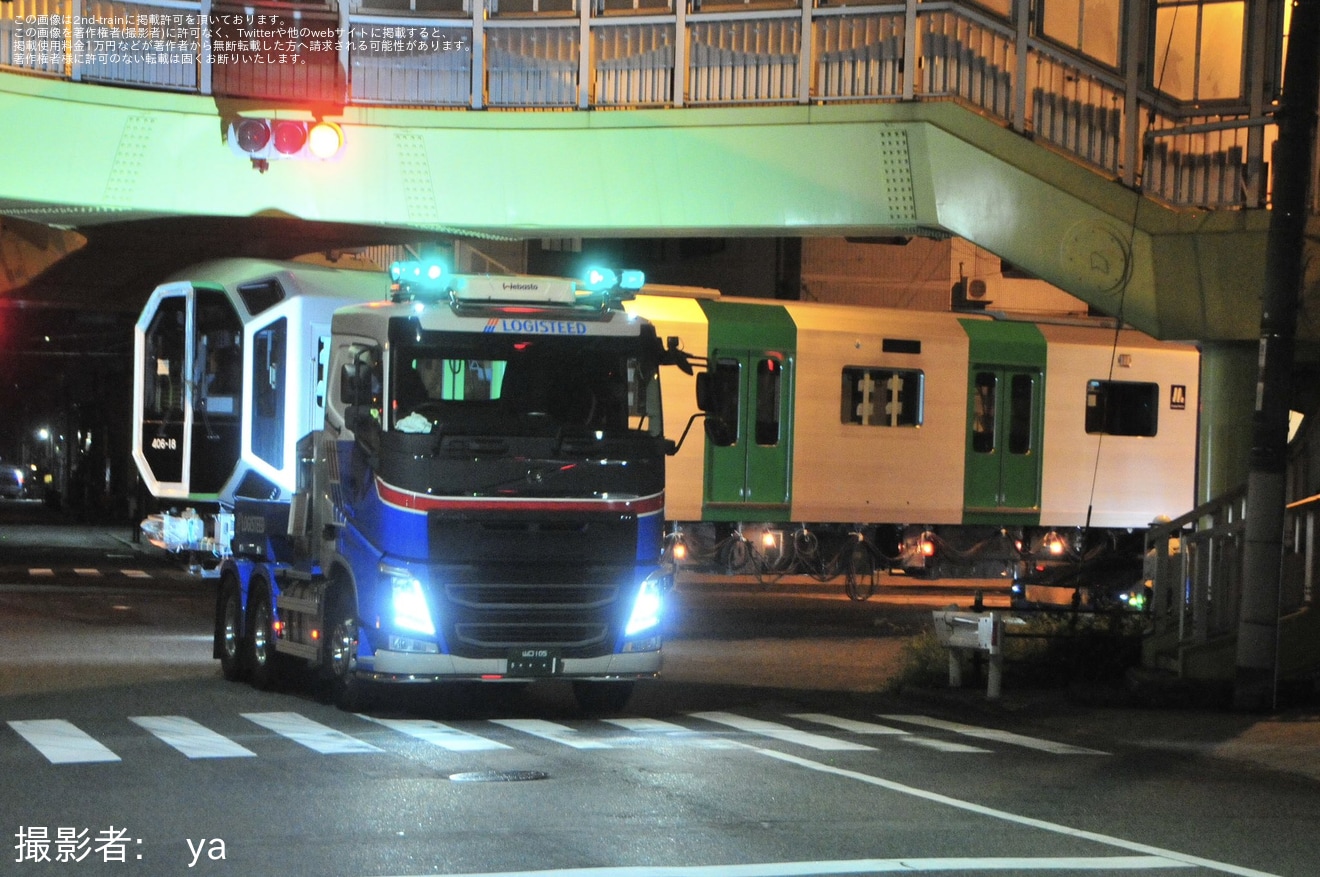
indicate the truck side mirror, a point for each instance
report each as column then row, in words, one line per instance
column 674, row 355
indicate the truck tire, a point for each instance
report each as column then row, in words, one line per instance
column 601, row 698
column 259, row 644
column 341, row 646
column 229, row 629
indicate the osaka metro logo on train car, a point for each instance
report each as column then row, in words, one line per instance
column 536, row 327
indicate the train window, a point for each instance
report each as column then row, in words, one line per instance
column 882, row 397
column 1022, row 391
column 983, row 412
column 268, row 392
column 218, row 361
column 723, row 418
column 166, row 339
column 1122, row 408
column 261, row 295
column 768, row 384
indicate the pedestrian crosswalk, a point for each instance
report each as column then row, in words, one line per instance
column 87, row 572
column 63, row 742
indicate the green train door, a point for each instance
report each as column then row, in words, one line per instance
column 750, row 427
column 1005, row 423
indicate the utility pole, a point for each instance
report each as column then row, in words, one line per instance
column 1255, row 684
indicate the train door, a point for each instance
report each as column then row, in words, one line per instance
column 1005, row 423
column 750, row 422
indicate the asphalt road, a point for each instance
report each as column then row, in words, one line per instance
column 769, row 747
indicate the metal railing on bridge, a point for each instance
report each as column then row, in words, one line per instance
column 1195, row 567
column 604, row 54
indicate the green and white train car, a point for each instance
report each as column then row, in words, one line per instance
column 961, row 443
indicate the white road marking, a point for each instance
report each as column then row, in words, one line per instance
column 1028, row 821
column 657, row 727
column 85, row 571
column 858, row 727
column 136, row 573
column 855, row 866
column 553, row 732
column 62, row 742
column 995, row 735
column 852, row 725
column 41, row 571
column 777, row 731
column 190, row 738
column 438, row 734
column 313, row 735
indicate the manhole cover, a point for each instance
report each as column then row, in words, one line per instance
column 498, row 776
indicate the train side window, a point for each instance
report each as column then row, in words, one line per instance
column 768, row 386
column 723, row 418
column 268, row 356
column 1122, row 408
column 1022, row 392
column 882, row 397
column 983, row 412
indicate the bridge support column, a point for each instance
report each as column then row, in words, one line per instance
column 1228, row 390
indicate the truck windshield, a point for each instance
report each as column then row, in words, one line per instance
column 496, row 384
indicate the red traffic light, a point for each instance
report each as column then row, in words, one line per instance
column 264, row 140
column 290, row 137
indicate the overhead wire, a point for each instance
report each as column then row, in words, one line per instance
column 1138, row 185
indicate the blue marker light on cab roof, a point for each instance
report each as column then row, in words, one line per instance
column 429, row 281
column 599, row 279
column 414, row 270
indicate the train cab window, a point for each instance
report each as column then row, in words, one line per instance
column 983, row 412
column 218, row 362
column 882, row 397
column 768, row 387
column 1122, row 408
column 166, row 340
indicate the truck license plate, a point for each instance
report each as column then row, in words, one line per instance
column 533, row 662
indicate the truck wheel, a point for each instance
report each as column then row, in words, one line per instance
column 596, row 698
column 259, row 644
column 341, row 648
column 229, row 630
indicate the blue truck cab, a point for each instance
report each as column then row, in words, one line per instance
column 458, row 477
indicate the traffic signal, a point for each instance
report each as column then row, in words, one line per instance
column 265, row 140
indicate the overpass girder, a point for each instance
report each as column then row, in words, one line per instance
column 95, row 154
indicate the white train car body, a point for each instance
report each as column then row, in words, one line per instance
column 953, row 430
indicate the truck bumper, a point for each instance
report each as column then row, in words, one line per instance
column 387, row 666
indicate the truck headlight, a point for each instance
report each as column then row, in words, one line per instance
column 409, row 602
column 646, row 608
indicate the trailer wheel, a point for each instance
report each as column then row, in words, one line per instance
column 596, row 698
column 259, row 644
column 341, row 648
column 229, row 630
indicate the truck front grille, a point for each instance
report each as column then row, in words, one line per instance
column 487, row 610
column 504, row 636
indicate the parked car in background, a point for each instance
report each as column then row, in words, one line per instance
column 12, row 481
